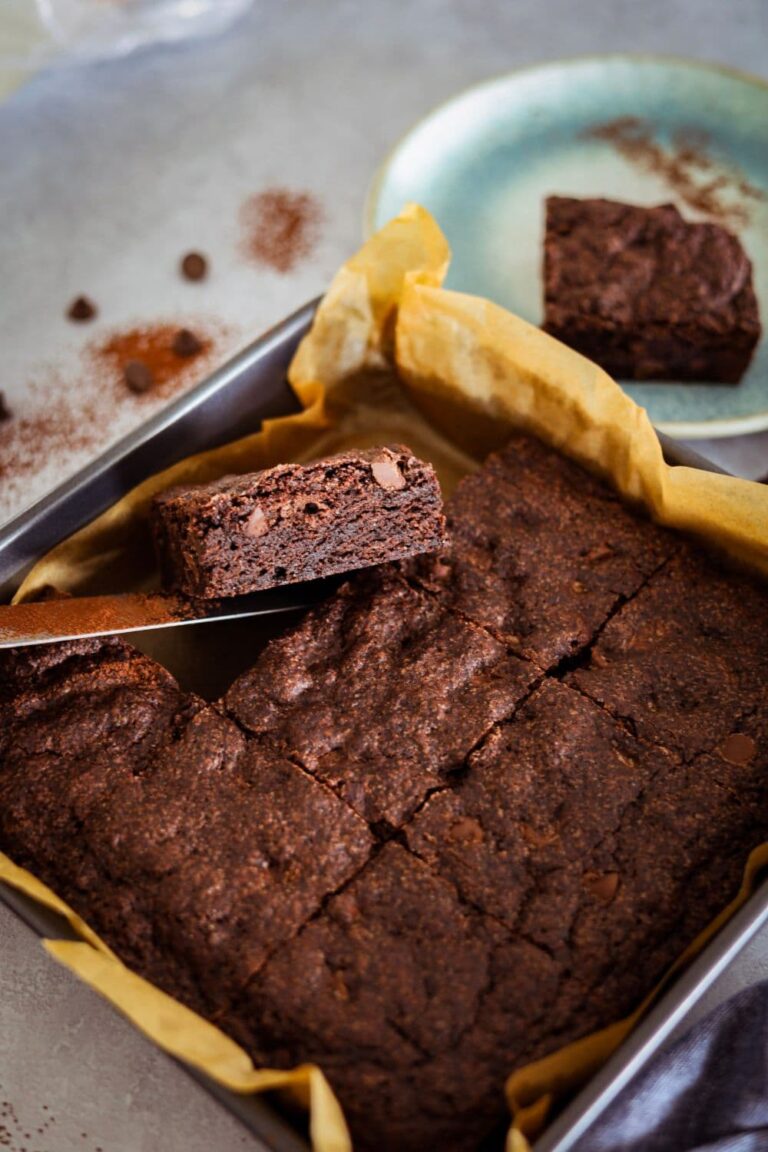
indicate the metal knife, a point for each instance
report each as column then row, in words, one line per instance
column 48, row 621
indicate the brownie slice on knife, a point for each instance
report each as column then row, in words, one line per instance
column 297, row 522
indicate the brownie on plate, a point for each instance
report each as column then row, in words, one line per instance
column 297, row 522
column 646, row 294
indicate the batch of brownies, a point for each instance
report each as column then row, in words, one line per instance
column 469, row 809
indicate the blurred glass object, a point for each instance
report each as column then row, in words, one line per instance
column 35, row 33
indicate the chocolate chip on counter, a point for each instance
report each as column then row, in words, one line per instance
column 185, row 343
column 387, row 474
column 5, row 412
column 603, row 885
column 194, row 266
column 738, row 748
column 138, row 377
column 81, row 309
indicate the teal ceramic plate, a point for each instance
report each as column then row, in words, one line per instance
column 483, row 164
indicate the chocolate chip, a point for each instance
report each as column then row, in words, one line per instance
column 81, row 309
column 738, row 748
column 256, row 524
column 387, row 474
column 138, row 377
column 194, row 266
column 536, row 837
column 465, row 830
column 185, row 343
column 603, row 885
column 5, row 412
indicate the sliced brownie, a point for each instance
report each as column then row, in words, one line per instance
column 192, row 851
column 381, row 693
column 412, row 1004
column 686, row 661
column 520, row 831
column 297, row 522
column 646, row 294
column 541, row 551
column 607, row 852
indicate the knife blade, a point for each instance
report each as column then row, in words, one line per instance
column 73, row 618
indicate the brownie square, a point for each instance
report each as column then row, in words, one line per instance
column 542, row 551
column 297, row 522
column 521, row 830
column 646, row 294
column 413, row 1005
column 381, row 693
column 192, row 851
column 610, row 854
column 72, row 713
column 678, row 856
column 687, row 660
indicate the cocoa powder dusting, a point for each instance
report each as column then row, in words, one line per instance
column 280, row 227
column 90, row 615
column 65, row 416
column 686, row 166
column 151, row 345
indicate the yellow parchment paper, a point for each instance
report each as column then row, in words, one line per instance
column 392, row 357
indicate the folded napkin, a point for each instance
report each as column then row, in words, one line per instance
column 708, row 1092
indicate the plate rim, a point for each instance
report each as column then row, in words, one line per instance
column 718, row 427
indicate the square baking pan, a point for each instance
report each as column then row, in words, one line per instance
column 231, row 403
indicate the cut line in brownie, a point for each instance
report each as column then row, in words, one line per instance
column 646, row 294
column 686, row 662
column 190, row 849
column 561, row 855
column 297, row 522
column 542, row 552
column 381, row 693
column 537, row 800
column 411, row 1003
column 610, row 854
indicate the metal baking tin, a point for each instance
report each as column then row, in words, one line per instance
column 229, row 404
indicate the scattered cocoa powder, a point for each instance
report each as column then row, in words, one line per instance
column 5, row 412
column 93, row 615
column 686, row 167
column 152, row 347
column 65, row 416
column 280, row 227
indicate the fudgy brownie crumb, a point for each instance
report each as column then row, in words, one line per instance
column 297, row 522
